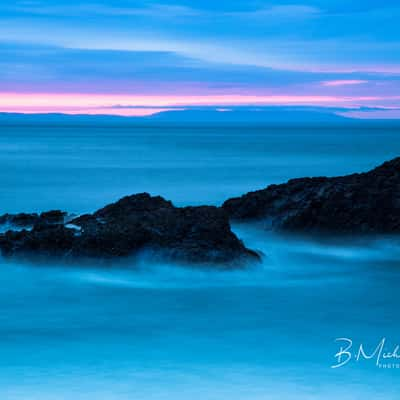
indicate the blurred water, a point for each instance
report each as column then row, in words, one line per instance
column 82, row 168
column 164, row 332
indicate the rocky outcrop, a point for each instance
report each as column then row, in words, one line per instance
column 359, row 203
column 133, row 224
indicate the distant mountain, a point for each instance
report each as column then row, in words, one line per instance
column 250, row 115
column 239, row 115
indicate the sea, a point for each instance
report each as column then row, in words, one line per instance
column 318, row 319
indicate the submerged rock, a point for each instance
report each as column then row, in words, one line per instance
column 134, row 223
column 359, row 203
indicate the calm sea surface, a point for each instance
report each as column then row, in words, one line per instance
column 164, row 332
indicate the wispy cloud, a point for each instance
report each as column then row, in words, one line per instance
column 215, row 35
column 290, row 54
column 343, row 82
column 154, row 10
column 288, row 11
column 164, row 10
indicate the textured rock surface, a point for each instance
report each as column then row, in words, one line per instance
column 358, row 203
column 134, row 223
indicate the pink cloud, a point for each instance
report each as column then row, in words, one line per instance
column 343, row 82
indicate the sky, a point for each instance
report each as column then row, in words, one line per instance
column 139, row 57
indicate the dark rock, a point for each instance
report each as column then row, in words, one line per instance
column 54, row 240
column 19, row 220
column 358, row 203
column 53, row 217
column 133, row 224
column 23, row 220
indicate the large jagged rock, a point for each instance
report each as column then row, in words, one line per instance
column 134, row 223
column 359, row 203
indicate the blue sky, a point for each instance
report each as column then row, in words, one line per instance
column 312, row 48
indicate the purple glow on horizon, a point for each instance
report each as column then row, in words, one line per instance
column 140, row 105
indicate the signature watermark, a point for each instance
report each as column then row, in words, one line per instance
column 383, row 354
